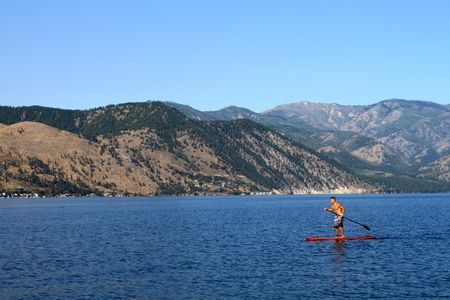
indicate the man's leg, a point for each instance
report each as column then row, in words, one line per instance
column 342, row 231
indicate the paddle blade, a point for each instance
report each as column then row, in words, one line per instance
column 366, row 227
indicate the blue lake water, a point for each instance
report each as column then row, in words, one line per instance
column 241, row 247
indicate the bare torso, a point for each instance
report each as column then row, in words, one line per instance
column 337, row 208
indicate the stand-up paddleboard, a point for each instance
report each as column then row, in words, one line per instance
column 347, row 238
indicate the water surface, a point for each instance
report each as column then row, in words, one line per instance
column 223, row 248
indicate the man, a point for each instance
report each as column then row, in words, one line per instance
column 339, row 210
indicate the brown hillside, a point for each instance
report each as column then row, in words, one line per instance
column 130, row 162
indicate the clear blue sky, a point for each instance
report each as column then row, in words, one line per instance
column 211, row 54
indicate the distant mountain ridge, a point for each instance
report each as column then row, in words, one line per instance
column 149, row 149
column 392, row 136
column 395, row 124
column 416, row 131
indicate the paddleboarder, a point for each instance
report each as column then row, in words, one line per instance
column 339, row 211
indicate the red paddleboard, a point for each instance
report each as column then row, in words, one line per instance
column 347, row 238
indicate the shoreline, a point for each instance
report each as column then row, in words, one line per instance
column 36, row 196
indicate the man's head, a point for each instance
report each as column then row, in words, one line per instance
column 332, row 199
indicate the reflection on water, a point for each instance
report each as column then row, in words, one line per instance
column 338, row 251
column 338, row 257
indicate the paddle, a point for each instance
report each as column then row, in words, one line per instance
column 365, row 226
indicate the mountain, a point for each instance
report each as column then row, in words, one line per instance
column 392, row 132
column 414, row 132
column 150, row 148
column 391, row 137
column 305, row 122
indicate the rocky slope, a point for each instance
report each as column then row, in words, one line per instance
column 149, row 148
